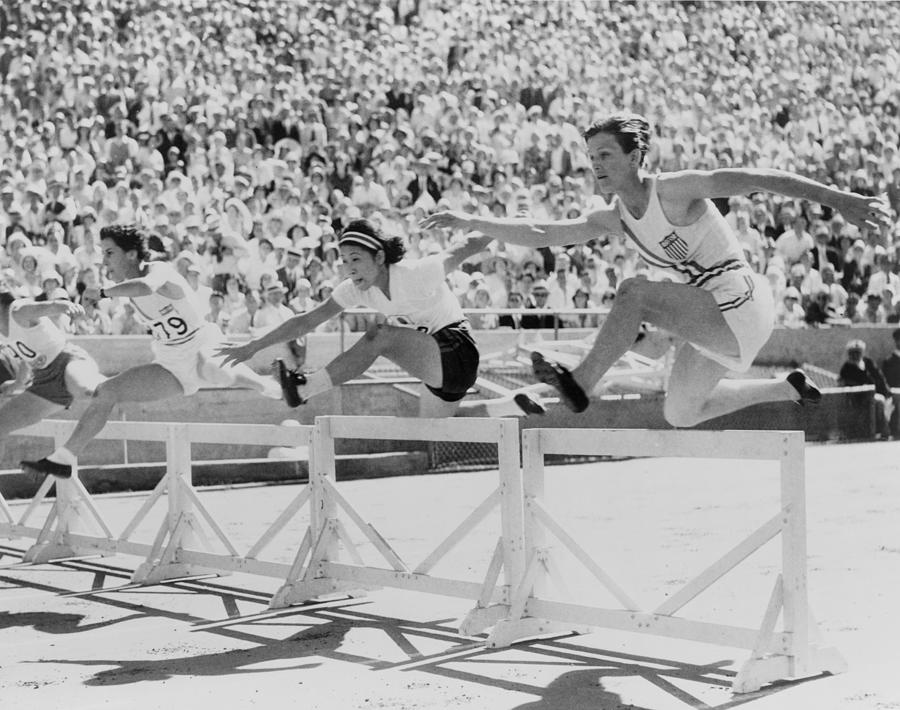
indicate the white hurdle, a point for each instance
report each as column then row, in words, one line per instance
column 324, row 573
column 791, row 653
column 74, row 529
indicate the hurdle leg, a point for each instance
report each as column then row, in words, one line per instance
column 181, row 528
column 320, row 543
column 72, row 510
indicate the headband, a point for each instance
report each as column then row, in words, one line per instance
column 365, row 240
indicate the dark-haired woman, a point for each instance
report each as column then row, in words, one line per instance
column 426, row 332
column 722, row 309
column 183, row 346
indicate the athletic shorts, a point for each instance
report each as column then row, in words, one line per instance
column 50, row 382
column 459, row 361
column 186, row 360
column 745, row 300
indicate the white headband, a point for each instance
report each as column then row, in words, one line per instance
column 366, row 240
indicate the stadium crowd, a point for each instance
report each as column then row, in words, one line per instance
column 243, row 135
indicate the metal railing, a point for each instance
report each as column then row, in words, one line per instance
column 555, row 312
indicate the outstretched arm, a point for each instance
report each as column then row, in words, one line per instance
column 458, row 253
column 528, row 232
column 687, row 185
column 27, row 313
column 292, row 328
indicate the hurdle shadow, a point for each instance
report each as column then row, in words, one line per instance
column 325, row 631
column 583, row 688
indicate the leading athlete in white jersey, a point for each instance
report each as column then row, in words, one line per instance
column 61, row 372
column 426, row 332
column 183, row 345
column 722, row 310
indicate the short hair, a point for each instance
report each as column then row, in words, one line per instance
column 366, row 235
column 631, row 131
column 128, row 237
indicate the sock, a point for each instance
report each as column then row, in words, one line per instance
column 502, row 407
column 64, row 456
column 316, row 383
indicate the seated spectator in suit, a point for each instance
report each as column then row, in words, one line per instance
column 538, row 301
column 891, row 369
column 820, row 312
column 823, row 253
column 860, row 370
column 512, row 320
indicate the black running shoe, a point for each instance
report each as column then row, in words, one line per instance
column 289, row 379
column 529, row 404
column 561, row 380
column 47, row 468
column 805, row 387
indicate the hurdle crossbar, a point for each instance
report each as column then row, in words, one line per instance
column 181, row 546
column 776, row 655
column 324, row 572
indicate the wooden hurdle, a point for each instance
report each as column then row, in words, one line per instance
column 319, row 570
column 791, row 653
column 181, row 548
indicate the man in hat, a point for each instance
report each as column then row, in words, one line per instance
column 859, row 370
column 289, row 271
column 424, row 182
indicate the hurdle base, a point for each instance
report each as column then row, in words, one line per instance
column 758, row 672
column 149, row 573
column 48, row 552
column 509, row 631
column 481, row 618
column 304, row 591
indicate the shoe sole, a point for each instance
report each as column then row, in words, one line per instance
column 288, row 388
column 529, row 405
column 561, row 380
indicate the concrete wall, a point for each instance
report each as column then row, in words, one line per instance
column 820, row 346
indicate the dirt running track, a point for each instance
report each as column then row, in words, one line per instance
column 651, row 523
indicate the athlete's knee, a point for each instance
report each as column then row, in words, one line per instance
column 630, row 292
column 682, row 412
column 381, row 337
column 106, row 391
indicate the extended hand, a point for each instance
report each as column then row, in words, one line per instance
column 446, row 220
column 234, row 354
column 73, row 310
column 864, row 210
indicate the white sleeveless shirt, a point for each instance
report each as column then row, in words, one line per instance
column 39, row 344
column 699, row 252
column 170, row 321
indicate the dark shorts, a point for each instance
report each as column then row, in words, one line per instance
column 50, row 382
column 459, row 361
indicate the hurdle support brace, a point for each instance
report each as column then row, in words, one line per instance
column 319, row 569
column 72, row 512
column 792, row 653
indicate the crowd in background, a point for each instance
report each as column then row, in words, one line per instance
column 243, row 135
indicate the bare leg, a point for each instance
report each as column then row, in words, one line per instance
column 685, row 311
column 430, row 405
column 146, row 383
column 417, row 353
column 697, row 391
column 23, row 410
column 240, row 375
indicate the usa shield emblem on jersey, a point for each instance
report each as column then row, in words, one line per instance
column 675, row 247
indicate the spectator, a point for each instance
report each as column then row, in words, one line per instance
column 538, row 301
column 789, row 312
column 859, row 370
column 891, row 369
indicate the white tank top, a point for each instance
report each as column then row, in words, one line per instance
column 171, row 321
column 699, row 252
column 38, row 345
